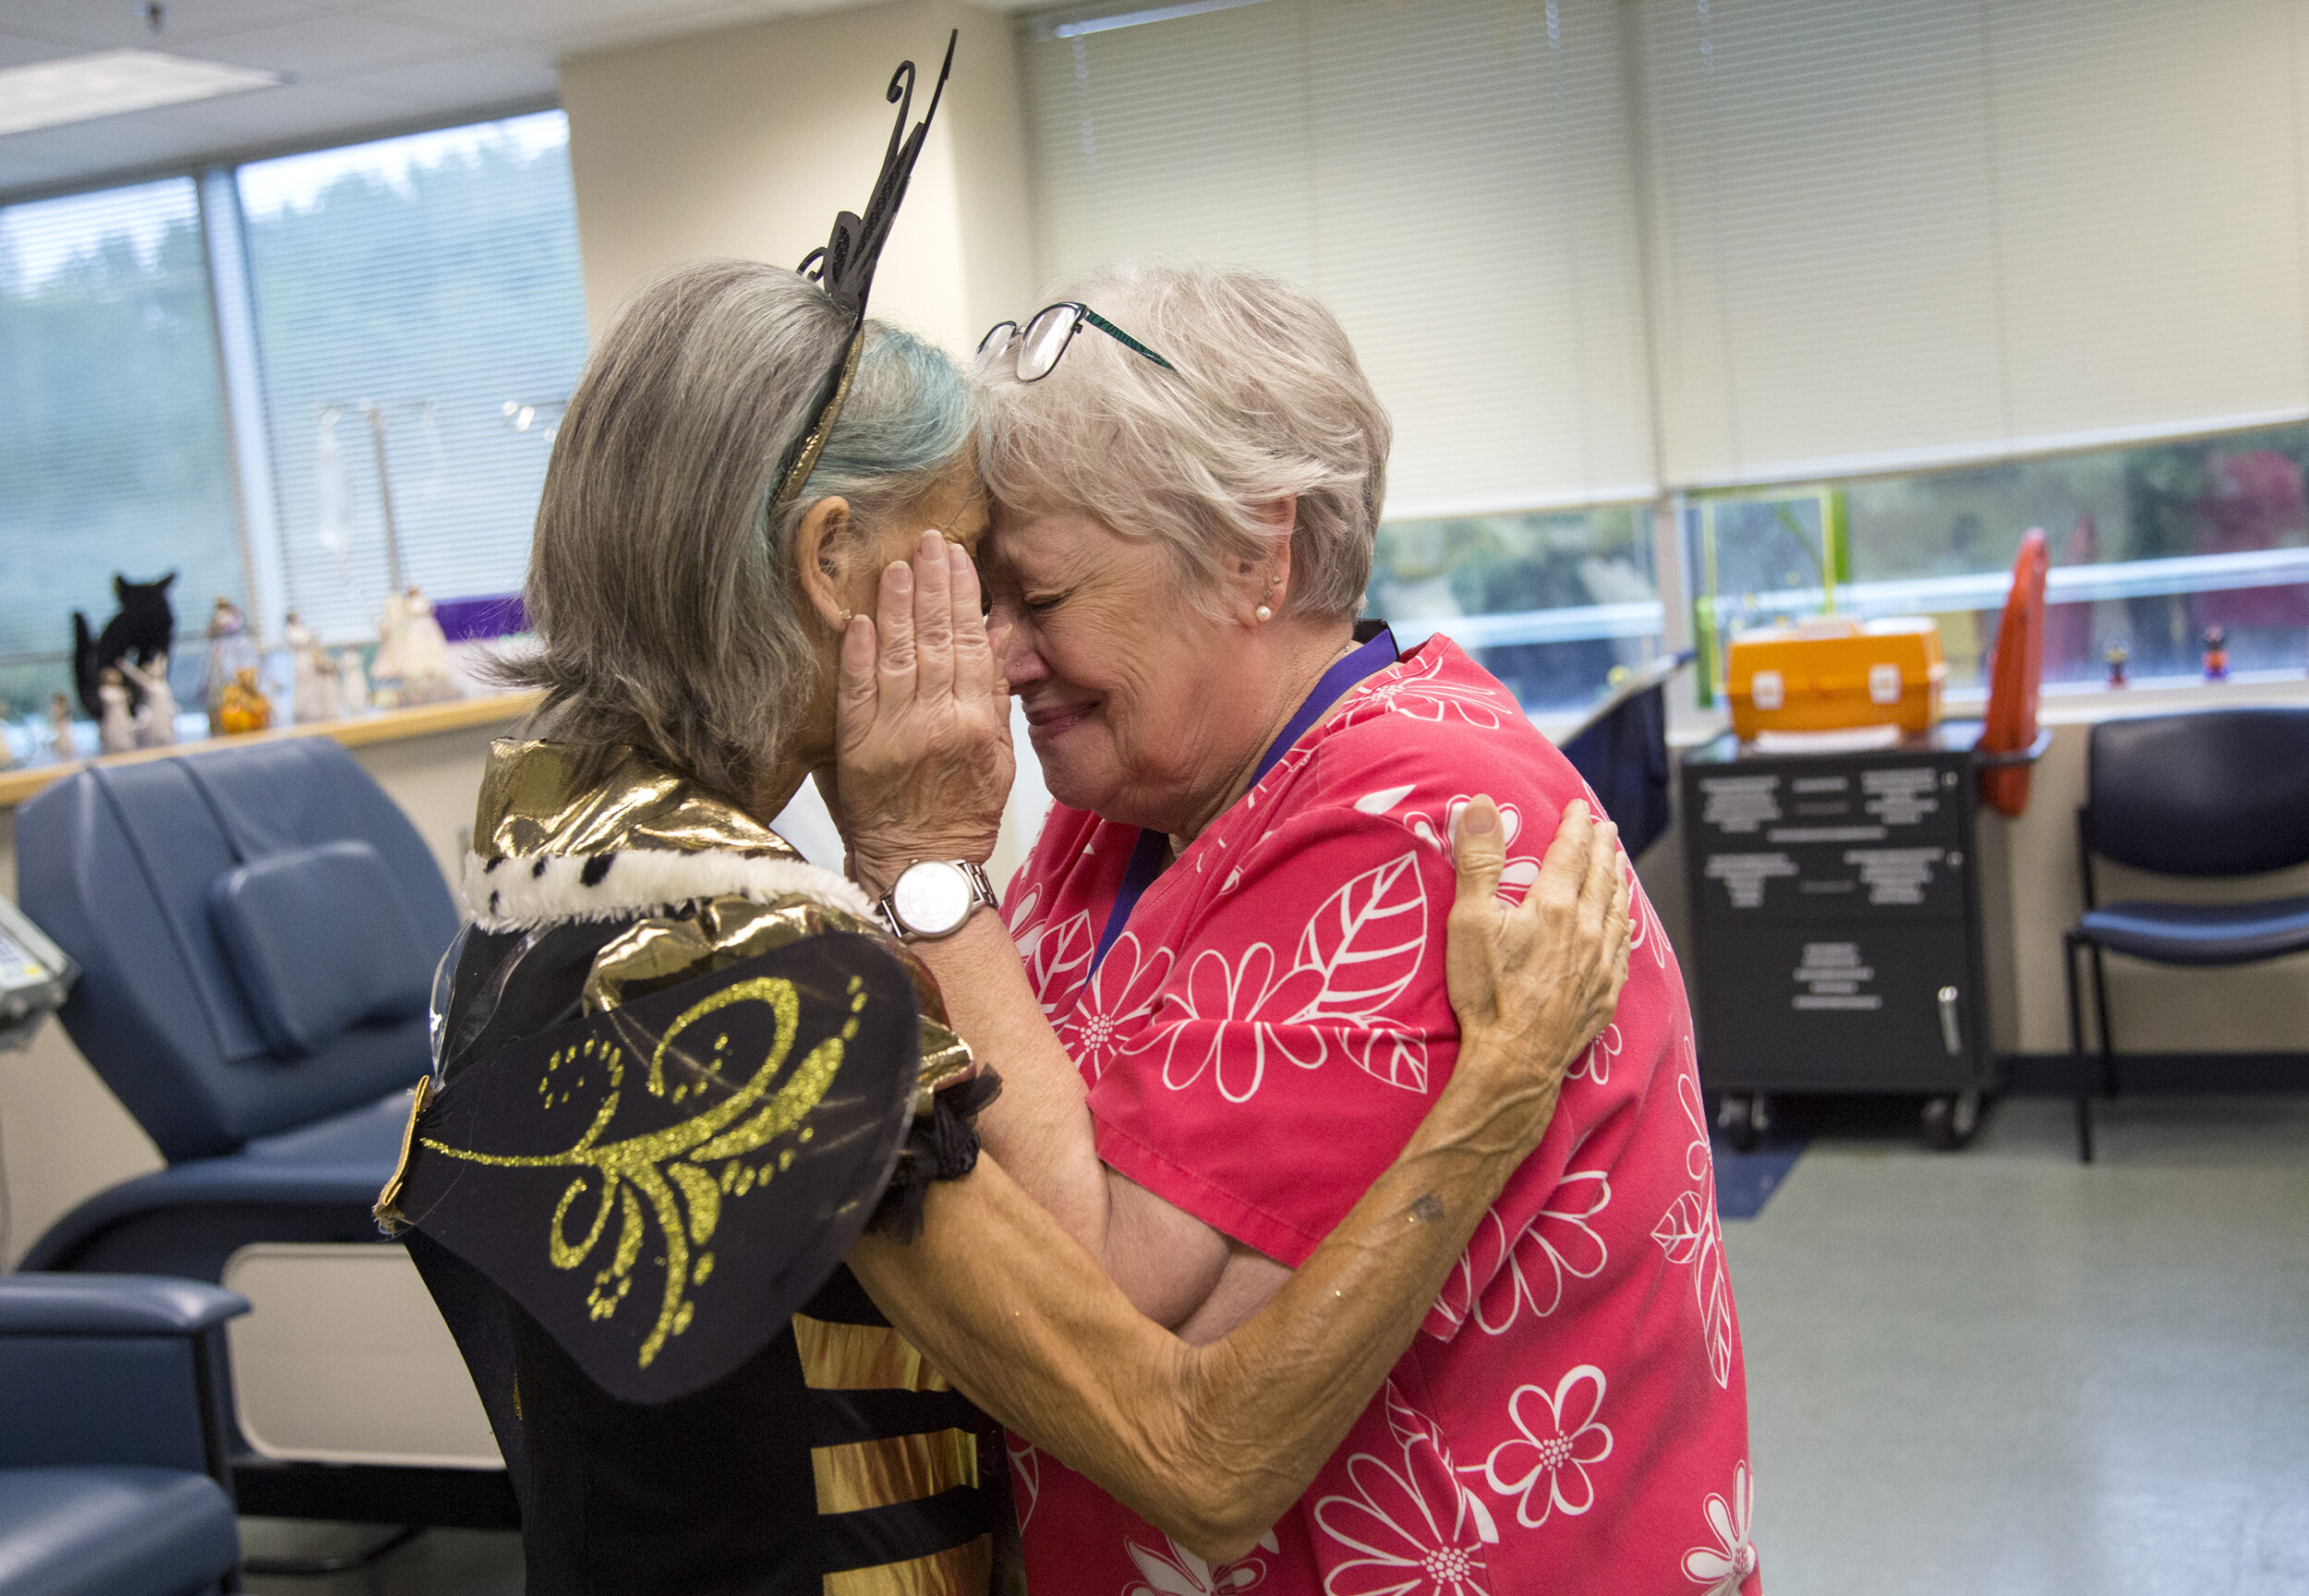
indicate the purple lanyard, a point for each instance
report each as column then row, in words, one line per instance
column 1372, row 656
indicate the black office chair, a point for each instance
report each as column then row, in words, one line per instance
column 2222, row 793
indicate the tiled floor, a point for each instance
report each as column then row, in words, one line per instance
column 1971, row 1374
column 2002, row 1371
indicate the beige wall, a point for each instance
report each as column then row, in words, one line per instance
column 63, row 1135
column 748, row 142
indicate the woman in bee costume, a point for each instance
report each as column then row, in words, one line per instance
column 694, row 1182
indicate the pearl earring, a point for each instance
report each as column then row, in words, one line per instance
column 1266, row 612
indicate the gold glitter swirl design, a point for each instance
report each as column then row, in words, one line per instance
column 661, row 1179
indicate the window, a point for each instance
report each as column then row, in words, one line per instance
column 1550, row 603
column 2151, row 547
column 113, row 453
column 408, row 293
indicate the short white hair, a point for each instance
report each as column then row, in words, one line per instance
column 1268, row 401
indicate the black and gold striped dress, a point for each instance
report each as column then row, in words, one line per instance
column 829, row 1458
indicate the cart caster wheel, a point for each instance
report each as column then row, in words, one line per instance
column 1743, row 1121
column 1951, row 1122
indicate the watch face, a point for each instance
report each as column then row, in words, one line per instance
column 931, row 898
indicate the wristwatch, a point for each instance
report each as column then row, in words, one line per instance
column 933, row 899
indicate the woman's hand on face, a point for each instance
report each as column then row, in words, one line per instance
column 923, row 754
column 1533, row 983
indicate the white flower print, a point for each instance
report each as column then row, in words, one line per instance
column 1517, row 872
column 1691, row 1232
column 1493, row 1283
column 1726, row 1567
column 1645, row 930
column 1124, row 987
column 1057, row 959
column 1415, row 1529
column 1595, row 1064
column 1562, row 1439
column 1025, row 1477
column 1417, row 689
column 1175, row 1571
column 1359, row 953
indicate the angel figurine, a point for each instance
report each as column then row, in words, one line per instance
column 61, row 741
column 156, row 716
column 313, row 695
column 115, row 731
column 352, row 684
column 387, row 668
column 424, row 652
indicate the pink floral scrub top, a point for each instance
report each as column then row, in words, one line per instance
column 1261, row 1040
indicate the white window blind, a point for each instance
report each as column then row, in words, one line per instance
column 112, row 437
column 434, row 278
column 1451, row 177
column 1891, row 235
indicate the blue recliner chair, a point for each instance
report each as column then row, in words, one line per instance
column 113, row 1477
column 257, row 929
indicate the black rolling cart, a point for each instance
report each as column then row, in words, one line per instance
column 1836, row 927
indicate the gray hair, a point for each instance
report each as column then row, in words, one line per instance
column 663, row 599
column 1268, row 402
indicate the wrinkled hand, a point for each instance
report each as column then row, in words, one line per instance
column 1533, row 983
column 923, row 754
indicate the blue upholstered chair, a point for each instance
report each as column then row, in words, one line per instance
column 257, row 929
column 2223, row 793
column 113, row 1477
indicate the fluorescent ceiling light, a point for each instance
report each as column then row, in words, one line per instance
column 79, row 87
column 1081, row 25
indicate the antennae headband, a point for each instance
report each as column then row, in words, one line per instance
column 844, row 266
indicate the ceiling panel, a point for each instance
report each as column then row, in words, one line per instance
column 355, row 67
column 500, row 76
column 320, row 48
column 116, row 24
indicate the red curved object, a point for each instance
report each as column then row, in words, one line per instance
column 2015, row 678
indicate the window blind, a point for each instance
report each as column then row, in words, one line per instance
column 112, row 452
column 1898, row 235
column 431, row 281
column 1450, row 177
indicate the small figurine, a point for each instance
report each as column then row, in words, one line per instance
column 2116, row 654
column 425, row 677
column 352, row 684
column 244, row 709
column 386, row 670
column 231, row 651
column 61, row 741
column 115, row 733
column 143, row 628
column 156, row 715
column 2217, row 653
column 7, row 749
column 314, row 695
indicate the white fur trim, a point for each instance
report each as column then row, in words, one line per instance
column 527, row 891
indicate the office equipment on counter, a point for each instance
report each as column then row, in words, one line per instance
column 2212, row 793
column 1832, row 673
column 35, row 974
column 257, row 927
column 113, row 1437
column 1836, row 927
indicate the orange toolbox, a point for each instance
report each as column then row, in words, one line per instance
column 1833, row 674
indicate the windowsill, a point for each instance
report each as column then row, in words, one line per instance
column 385, row 726
column 2063, row 703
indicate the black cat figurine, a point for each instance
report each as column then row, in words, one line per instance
column 144, row 628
